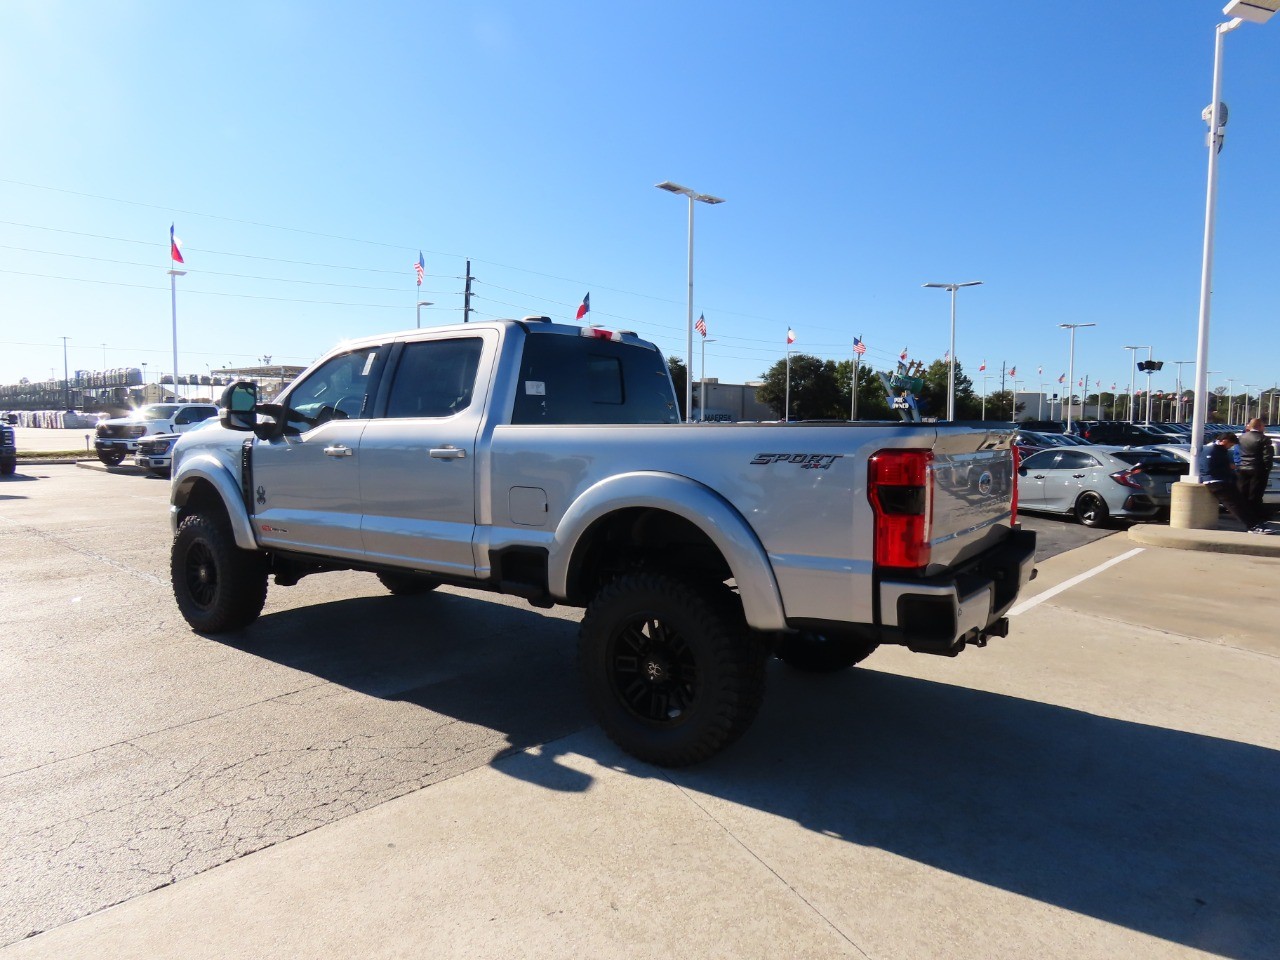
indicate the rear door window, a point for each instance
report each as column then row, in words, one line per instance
column 435, row 378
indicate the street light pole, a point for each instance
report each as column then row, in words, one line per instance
column 1245, row 419
column 1071, row 363
column 1257, row 11
column 1179, row 364
column 1133, row 369
column 951, row 366
column 420, row 305
column 703, row 198
column 985, row 378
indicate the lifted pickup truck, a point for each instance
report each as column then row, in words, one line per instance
column 548, row 461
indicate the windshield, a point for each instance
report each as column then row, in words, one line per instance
column 158, row 411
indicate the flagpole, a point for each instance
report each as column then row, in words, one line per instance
column 853, row 389
column 786, row 411
column 173, row 302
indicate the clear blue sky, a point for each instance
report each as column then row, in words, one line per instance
column 306, row 152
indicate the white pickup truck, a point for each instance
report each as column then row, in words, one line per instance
column 548, row 461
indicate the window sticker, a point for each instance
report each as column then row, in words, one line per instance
column 368, row 363
column 535, row 388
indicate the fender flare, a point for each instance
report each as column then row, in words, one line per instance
column 694, row 502
column 208, row 469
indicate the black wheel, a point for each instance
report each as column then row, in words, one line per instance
column 407, row 584
column 1091, row 510
column 7, row 467
column 111, row 458
column 818, row 653
column 670, row 670
column 218, row 586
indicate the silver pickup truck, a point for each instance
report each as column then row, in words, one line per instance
column 548, row 461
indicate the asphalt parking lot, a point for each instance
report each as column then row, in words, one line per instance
column 359, row 773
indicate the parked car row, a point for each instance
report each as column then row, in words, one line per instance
column 159, row 424
column 1096, row 483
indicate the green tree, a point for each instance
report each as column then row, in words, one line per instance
column 815, row 389
column 679, row 377
column 872, row 404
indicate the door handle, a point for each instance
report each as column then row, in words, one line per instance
column 1039, row 476
column 338, row 450
column 448, row 453
column 1078, row 475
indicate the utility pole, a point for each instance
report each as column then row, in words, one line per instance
column 466, row 296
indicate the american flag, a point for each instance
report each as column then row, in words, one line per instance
column 858, row 346
column 701, row 325
column 1063, row 378
column 1013, row 371
column 420, row 267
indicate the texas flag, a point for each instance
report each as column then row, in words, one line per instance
column 1040, row 371
column 175, row 247
column 983, row 366
column 791, row 336
column 903, row 354
column 585, row 308
column 701, row 325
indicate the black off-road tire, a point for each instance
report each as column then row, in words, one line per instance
column 112, row 458
column 819, row 653
column 7, row 467
column 1091, row 510
column 407, row 584
column 670, row 669
column 218, row 586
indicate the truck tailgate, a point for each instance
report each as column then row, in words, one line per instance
column 972, row 492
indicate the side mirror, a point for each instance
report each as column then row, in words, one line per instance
column 240, row 406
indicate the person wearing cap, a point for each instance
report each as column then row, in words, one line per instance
column 1221, row 481
column 1256, row 454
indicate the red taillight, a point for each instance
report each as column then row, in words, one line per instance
column 900, row 488
column 1125, row 477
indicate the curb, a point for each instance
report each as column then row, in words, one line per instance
column 1206, row 541
column 127, row 469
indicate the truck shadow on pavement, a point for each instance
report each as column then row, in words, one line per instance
column 1169, row 833
column 1160, row 831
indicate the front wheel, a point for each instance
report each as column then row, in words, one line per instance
column 670, row 670
column 7, row 467
column 112, row 458
column 819, row 653
column 1091, row 510
column 218, row 586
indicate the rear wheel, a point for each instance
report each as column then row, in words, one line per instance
column 1091, row 510
column 7, row 467
column 218, row 586
column 407, row 584
column 671, row 670
column 112, row 458
column 818, row 653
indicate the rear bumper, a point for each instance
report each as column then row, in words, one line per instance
column 944, row 613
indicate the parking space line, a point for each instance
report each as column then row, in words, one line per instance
column 1067, row 584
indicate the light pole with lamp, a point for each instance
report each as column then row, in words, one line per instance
column 1231, row 401
column 688, row 344
column 951, row 366
column 420, row 305
column 702, row 387
column 1256, row 11
column 1245, row 417
column 1133, row 369
column 1071, row 363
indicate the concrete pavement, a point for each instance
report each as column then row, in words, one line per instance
column 1102, row 783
